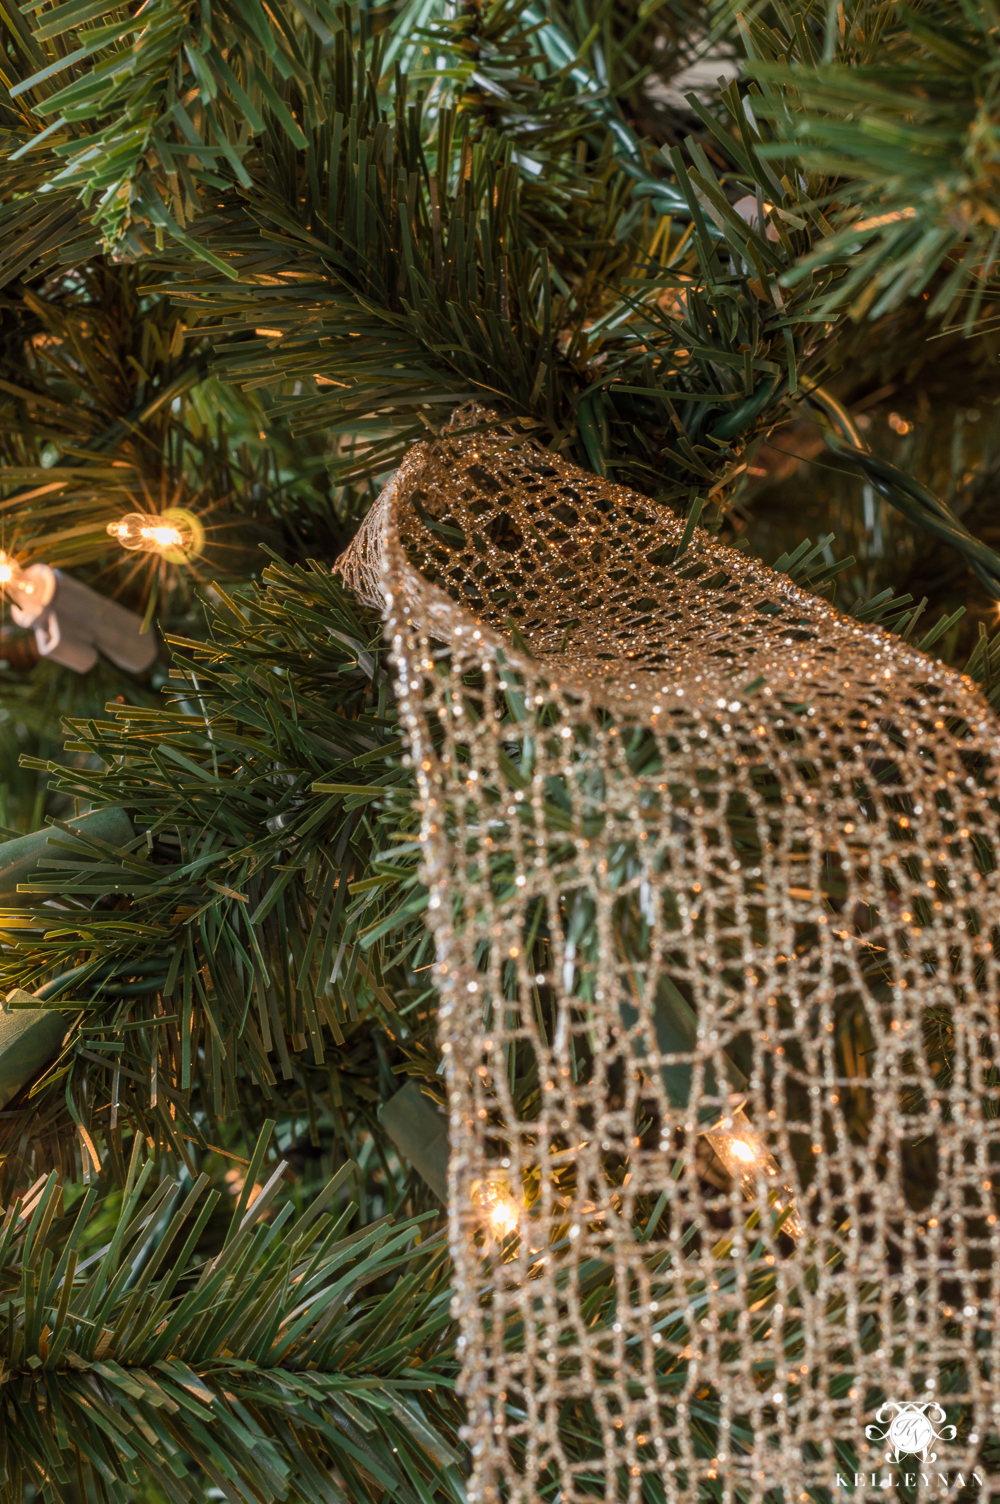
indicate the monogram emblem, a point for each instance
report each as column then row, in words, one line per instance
column 911, row 1430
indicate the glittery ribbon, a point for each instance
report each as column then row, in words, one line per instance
column 713, row 893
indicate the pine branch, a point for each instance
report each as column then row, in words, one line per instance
column 298, row 1355
column 105, row 409
column 906, row 133
column 255, row 912
column 394, row 255
column 143, row 111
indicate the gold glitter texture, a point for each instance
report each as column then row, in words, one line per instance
column 712, row 887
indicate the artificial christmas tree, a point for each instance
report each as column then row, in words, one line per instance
column 252, row 254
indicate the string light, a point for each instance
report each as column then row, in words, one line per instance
column 176, row 534
column 29, row 589
column 72, row 622
column 133, row 532
column 741, row 1149
column 501, row 1210
column 10, row 570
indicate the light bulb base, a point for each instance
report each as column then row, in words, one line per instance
column 30, row 591
column 73, row 623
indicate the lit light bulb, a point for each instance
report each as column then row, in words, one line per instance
column 176, row 534
column 500, row 1208
column 503, row 1218
column 743, row 1153
column 10, row 569
column 30, row 590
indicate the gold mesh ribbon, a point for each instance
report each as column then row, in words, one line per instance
column 711, row 876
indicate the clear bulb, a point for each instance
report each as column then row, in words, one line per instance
column 500, row 1210
column 743, row 1152
column 175, row 534
column 11, row 573
column 29, row 590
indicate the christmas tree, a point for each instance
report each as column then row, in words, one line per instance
column 741, row 263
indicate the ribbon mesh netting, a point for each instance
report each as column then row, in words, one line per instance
column 712, row 884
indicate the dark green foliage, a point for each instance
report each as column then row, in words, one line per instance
column 279, row 1350
column 906, row 123
column 259, row 913
column 105, row 409
column 249, row 254
column 382, row 239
